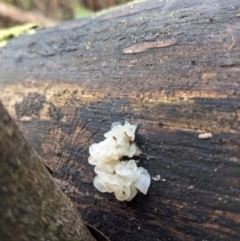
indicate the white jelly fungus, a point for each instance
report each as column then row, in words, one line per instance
column 123, row 178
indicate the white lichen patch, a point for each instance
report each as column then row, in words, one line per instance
column 25, row 118
column 123, row 178
column 205, row 136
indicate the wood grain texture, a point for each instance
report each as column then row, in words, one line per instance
column 66, row 85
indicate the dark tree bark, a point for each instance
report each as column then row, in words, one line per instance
column 172, row 66
column 32, row 207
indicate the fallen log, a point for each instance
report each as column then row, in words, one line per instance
column 17, row 16
column 171, row 66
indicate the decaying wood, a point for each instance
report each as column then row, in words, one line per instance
column 32, row 207
column 66, row 85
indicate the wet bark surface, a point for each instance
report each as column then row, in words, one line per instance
column 171, row 66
